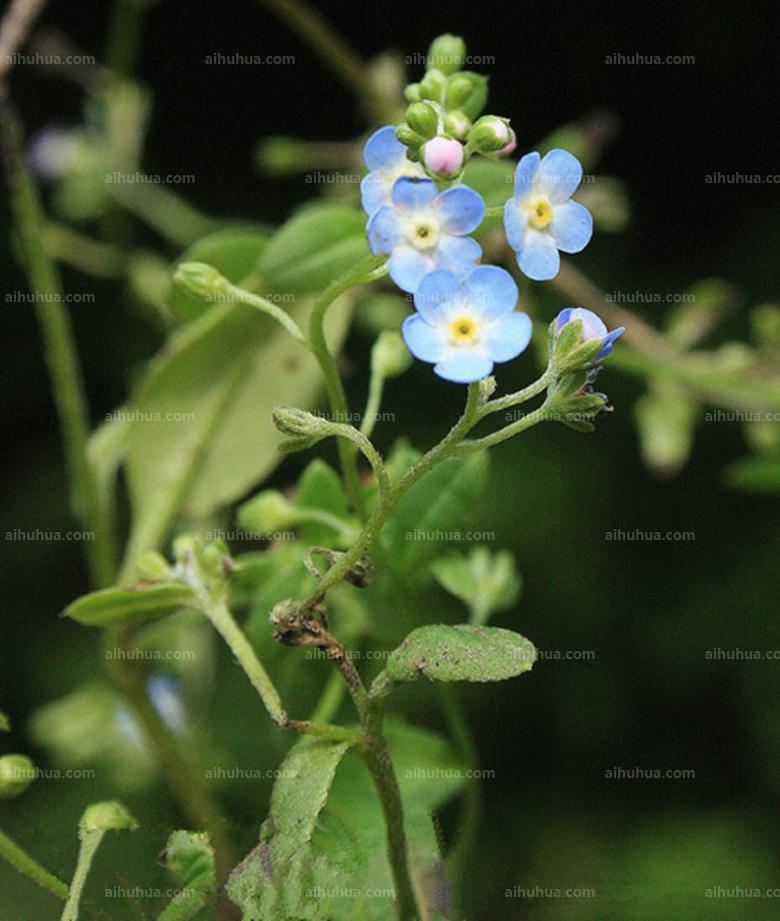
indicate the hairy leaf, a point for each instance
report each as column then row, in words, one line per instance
column 190, row 857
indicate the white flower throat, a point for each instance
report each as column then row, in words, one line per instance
column 422, row 232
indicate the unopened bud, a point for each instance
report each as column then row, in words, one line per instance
column 17, row 772
column 423, row 118
column 408, row 137
column 433, row 85
column 447, row 53
column 390, row 356
column 443, row 157
column 490, row 134
column 468, row 92
column 107, row 816
column 198, row 278
column 458, row 125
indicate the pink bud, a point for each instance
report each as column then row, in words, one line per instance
column 443, row 156
column 508, row 148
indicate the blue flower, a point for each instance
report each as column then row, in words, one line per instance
column 465, row 325
column 385, row 156
column 593, row 327
column 424, row 229
column 541, row 219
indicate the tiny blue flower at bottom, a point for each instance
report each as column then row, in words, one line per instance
column 464, row 326
column 593, row 327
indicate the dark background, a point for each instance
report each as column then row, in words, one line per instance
column 649, row 699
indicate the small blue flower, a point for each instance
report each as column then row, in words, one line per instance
column 385, row 156
column 593, row 327
column 465, row 325
column 424, row 229
column 541, row 219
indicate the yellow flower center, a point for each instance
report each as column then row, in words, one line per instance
column 540, row 213
column 464, row 331
column 425, row 234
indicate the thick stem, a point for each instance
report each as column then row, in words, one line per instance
column 60, row 349
column 28, row 866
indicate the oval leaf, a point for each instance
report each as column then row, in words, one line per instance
column 114, row 606
column 461, row 653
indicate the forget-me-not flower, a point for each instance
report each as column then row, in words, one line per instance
column 424, row 229
column 465, row 325
column 541, row 218
column 385, row 156
column 593, row 327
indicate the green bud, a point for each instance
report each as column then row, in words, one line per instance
column 215, row 560
column 412, row 92
column 468, row 92
column 17, row 772
column 199, row 279
column 266, row 512
column 390, row 356
column 490, row 133
column 423, row 119
column 297, row 422
column 447, row 53
column 408, row 137
column 433, row 85
column 185, row 548
column 107, row 816
column 458, row 125
column 152, row 567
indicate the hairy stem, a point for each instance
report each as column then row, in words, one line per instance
column 90, row 842
column 20, row 860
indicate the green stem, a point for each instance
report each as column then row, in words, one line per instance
column 368, row 269
column 520, row 396
column 29, row 867
column 60, row 349
column 123, row 37
column 376, row 386
column 478, row 444
column 90, row 842
column 265, row 306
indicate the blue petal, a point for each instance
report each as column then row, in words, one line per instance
column 464, row 366
column 461, row 210
column 383, row 149
column 508, row 336
column 426, row 342
column 538, row 258
column 559, row 175
column 563, row 318
column 374, row 192
column 408, row 266
column 571, row 226
column 490, row 291
column 437, row 292
column 457, row 254
column 411, row 194
column 593, row 327
column 526, row 173
column 607, row 346
column 515, row 225
column 383, row 230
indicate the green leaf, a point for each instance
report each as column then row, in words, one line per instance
column 235, row 253
column 320, row 488
column 485, row 582
column 427, row 515
column 120, row 606
column 201, row 432
column 315, row 246
column 464, row 652
column 755, row 474
column 190, row 857
column 269, row 882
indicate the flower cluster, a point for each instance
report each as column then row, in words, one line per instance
column 421, row 215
